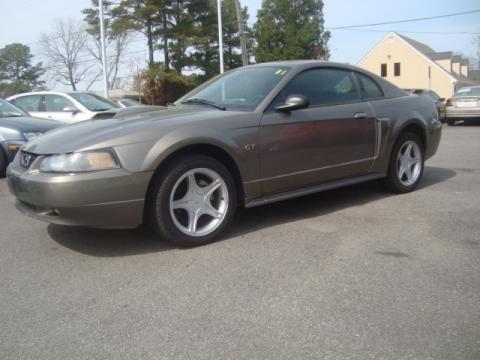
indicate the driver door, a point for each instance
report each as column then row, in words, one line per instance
column 334, row 137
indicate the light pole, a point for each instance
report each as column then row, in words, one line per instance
column 241, row 30
column 220, row 35
column 104, row 51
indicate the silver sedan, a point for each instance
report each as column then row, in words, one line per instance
column 464, row 105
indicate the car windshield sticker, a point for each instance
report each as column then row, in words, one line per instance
column 281, row 72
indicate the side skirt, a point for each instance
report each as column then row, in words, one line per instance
column 312, row 190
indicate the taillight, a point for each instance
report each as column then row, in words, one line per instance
column 448, row 102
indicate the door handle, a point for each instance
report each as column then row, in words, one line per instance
column 359, row 115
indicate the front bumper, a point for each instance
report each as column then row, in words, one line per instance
column 462, row 113
column 101, row 199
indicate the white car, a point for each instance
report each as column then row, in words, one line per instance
column 67, row 107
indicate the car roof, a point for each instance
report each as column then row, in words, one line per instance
column 300, row 65
column 304, row 64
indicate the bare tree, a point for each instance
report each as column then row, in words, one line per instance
column 116, row 46
column 116, row 41
column 65, row 50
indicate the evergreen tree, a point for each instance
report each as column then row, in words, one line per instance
column 205, row 36
column 17, row 73
column 141, row 16
column 177, row 31
column 290, row 29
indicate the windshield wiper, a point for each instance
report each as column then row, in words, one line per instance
column 204, row 102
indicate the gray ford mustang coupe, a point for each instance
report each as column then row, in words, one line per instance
column 249, row 137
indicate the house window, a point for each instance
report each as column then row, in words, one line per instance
column 396, row 69
column 383, row 70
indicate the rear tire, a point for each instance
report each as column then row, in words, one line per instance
column 406, row 164
column 192, row 201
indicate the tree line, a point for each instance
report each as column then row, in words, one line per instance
column 185, row 32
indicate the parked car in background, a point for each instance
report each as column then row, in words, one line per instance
column 68, row 107
column 439, row 102
column 16, row 128
column 252, row 136
column 124, row 103
column 464, row 105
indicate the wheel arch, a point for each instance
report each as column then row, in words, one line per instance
column 413, row 125
column 416, row 127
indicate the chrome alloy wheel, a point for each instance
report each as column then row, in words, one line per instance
column 199, row 202
column 409, row 163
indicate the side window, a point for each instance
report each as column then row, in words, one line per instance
column 56, row 103
column 28, row 103
column 369, row 88
column 324, row 86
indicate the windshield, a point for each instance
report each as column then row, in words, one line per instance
column 10, row 110
column 468, row 91
column 94, row 102
column 241, row 89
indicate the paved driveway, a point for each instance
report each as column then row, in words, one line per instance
column 355, row 273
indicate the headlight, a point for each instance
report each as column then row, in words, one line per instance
column 32, row 135
column 79, row 162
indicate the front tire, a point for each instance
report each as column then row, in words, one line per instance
column 192, row 201
column 406, row 164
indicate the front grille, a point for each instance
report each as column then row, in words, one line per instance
column 27, row 159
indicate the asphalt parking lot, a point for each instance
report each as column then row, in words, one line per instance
column 354, row 273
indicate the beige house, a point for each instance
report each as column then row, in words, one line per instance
column 410, row 64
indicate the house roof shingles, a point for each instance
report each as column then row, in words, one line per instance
column 424, row 49
column 432, row 55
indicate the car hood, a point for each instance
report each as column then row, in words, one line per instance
column 126, row 111
column 121, row 129
column 26, row 123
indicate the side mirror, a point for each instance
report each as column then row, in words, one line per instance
column 293, row 102
column 70, row 109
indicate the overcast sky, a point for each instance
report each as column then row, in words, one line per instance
column 24, row 20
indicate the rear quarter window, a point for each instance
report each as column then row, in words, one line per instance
column 368, row 87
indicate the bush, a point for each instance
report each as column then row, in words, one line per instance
column 163, row 87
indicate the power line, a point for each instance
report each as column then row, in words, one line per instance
column 405, row 21
column 345, row 27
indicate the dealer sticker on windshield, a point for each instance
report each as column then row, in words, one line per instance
column 281, row 72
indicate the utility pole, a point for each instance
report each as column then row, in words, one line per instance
column 104, row 51
column 241, row 29
column 220, row 35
